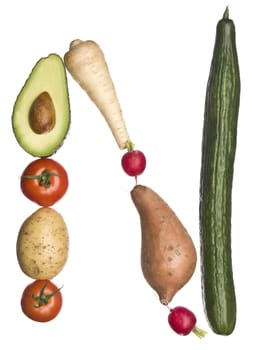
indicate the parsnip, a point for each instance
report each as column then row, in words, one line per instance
column 86, row 63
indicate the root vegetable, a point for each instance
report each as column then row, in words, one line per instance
column 133, row 161
column 86, row 63
column 168, row 254
column 183, row 322
column 43, row 244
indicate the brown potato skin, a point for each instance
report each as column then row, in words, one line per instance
column 168, row 254
column 43, row 244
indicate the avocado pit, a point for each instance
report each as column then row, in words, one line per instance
column 42, row 114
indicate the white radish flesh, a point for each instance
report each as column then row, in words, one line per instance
column 86, row 63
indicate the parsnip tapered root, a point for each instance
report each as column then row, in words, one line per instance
column 86, row 63
column 168, row 254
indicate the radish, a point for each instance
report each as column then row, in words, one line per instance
column 183, row 321
column 86, row 63
column 133, row 161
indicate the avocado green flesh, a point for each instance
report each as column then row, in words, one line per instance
column 47, row 75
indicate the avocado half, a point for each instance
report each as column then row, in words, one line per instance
column 48, row 75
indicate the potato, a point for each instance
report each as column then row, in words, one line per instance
column 42, row 244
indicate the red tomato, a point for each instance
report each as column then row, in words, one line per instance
column 41, row 301
column 44, row 181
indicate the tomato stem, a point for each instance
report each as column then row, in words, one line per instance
column 44, row 177
column 42, row 298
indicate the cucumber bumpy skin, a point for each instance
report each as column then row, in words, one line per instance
column 216, row 178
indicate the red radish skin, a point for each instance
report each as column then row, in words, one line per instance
column 133, row 162
column 183, row 322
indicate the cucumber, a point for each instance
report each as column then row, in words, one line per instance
column 216, row 180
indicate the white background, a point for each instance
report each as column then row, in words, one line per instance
column 159, row 55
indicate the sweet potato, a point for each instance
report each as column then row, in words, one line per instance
column 168, row 254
